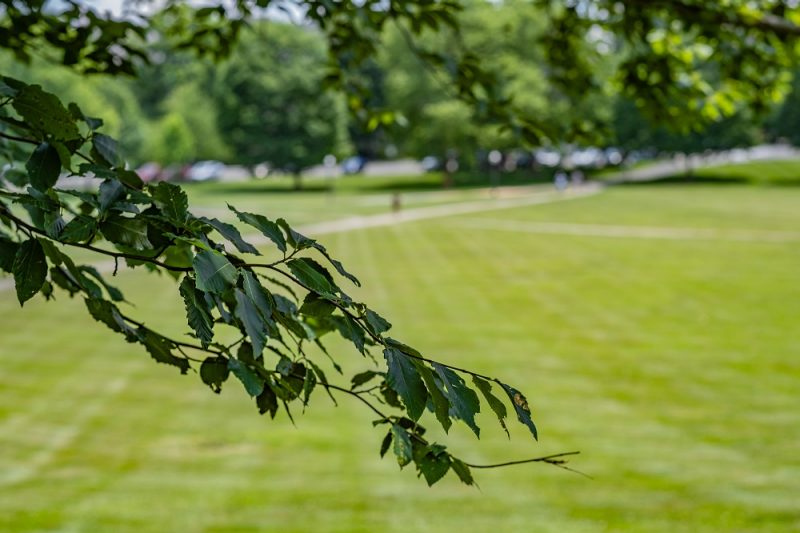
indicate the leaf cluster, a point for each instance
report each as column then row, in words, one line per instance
column 275, row 307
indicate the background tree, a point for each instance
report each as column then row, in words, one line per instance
column 201, row 115
column 171, row 141
column 271, row 106
column 510, row 36
column 784, row 123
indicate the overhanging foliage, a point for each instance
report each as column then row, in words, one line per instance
column 224, row 282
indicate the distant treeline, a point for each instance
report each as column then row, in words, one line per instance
column 266, row 103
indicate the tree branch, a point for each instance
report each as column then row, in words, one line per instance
column 5, row 135
column 95, row 249
column 378, row 338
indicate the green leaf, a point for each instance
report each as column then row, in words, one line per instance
column 77, row 114
column 286, row 315
column 214, row 371
column 114, row 293
column 99, row 172
column 402, row 347
column 294, row 378
column 253, row 384
column 111, row 190
column 44, row 166
column 16, row 177
column 214, row 272
column 8, row 251
column 172, row 201
column 8, row 90
column 441, row 406
column 197, row 312
column 107, row 148
column 47, row 290
column 297, row 240
column 363, row 377
column 494, row 402
column 58, row 277
column 29, row 269
column 179, row 255
column 350, row 330
column 54, row 225
column 64, row 155
column 267, row 227
column 309, row 383
column 403, row 377
column 317, row 307
column 390, row 396
column 45, row 112
column 251, row 319
column 402, row 445
column 107, row 313
column 160, row 349
column 257, row 294
column 267, row 401
column 387, row 441
column 51, row 252
column 377, row 324
column 336, row 264
column 434, row 464
column 79, row 229
column 462, row 470
column 522, row 408
column 464, row 403
column 126, row 231
column 129, row 178
column 245, row 353
column 232, row 234
column 308, row 272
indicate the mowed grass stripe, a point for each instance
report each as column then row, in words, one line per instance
column 632, row 232
column 671, row 365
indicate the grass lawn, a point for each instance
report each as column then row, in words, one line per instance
column 778, row 172
column 672, row 364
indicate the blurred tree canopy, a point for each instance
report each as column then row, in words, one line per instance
column 670, row 75
column 270, row 104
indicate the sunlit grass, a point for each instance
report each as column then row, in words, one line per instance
column 671, row 364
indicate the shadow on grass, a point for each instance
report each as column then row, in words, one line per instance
column 460, row 181
column 716, row 179
column 688, row 180
column 270, row 188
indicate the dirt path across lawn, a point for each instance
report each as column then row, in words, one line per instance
column 631, row 232
column 501, row 198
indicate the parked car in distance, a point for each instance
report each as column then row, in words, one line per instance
column 149, row 172
column 205, row 170
column 431, row 163
column 354, row 165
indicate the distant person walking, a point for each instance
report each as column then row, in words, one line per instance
column 560, row 180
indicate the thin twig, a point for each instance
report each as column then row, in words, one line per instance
column 95, row 249
column 5, row 135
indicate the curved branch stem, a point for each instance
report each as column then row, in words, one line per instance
column 197, row 347
column 95, row 249
column 555, row 459
column 5, row 135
